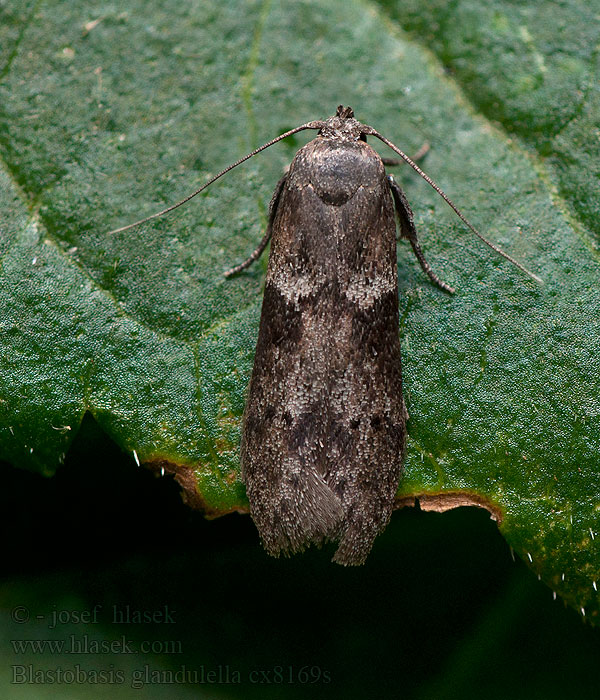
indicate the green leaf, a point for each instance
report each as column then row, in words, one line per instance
column 107, row 115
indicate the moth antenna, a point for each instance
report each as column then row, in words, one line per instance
column 370, row 130
column 308, row 125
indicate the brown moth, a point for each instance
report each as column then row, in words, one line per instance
column 324, row 429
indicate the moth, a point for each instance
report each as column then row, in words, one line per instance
column 324, row 428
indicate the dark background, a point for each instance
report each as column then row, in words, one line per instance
column 440, row 610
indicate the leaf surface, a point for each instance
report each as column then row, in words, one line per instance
column 107, row 115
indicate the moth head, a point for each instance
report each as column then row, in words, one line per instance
column 343, row 126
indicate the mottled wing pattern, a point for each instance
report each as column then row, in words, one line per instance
column 324, row 426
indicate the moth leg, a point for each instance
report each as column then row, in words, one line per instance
column 263, row 244
column 421, row 153
column 408, row 230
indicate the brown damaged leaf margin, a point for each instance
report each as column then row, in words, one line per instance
column 447, row 500
column 185, row 477
column 434, row 502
